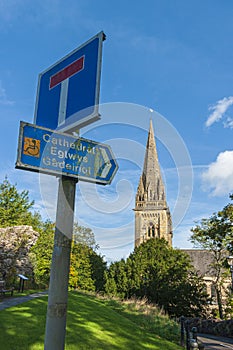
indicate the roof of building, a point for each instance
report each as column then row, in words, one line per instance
column 201, row 260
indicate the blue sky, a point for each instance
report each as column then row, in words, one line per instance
column 174, row 57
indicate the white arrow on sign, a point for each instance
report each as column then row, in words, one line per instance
column 107, row 164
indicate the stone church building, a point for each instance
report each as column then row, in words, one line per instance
column 152, row 215
column 153, row 218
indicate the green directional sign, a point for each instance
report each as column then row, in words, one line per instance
column 46, row 151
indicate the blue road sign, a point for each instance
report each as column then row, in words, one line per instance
column 68, row 91
column 43, row 150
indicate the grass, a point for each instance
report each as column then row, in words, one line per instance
column 92, row 323
column 149, row 317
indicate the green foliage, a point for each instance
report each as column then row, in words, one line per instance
column 41, row 254
column 117, row 281
column 110, row 285
column 86, row 268
column 163, row 275
column 15, row 207
column 84, row 235
column 215, row 234
column 98, row 268
column 80, row 268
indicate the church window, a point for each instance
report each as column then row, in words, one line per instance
column 151, row 230
column 148, row 231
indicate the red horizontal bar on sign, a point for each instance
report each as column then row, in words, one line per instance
column 67, row 72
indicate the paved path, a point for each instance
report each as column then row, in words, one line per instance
column 8, row 302
column 216, row 343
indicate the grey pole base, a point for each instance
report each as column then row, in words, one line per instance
column 59, row 275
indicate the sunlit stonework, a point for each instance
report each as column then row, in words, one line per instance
column 152, row 215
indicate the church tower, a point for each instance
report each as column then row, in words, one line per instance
column 152, row 215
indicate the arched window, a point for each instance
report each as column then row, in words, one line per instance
column 151, row 230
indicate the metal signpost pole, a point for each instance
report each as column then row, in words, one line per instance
column 59, row 275
column 59, row 110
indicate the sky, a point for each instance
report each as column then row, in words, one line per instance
column 169, row 61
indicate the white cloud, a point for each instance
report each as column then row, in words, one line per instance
column 228, row 123
column 219, row 176
column 219, row 109
column 3, row 96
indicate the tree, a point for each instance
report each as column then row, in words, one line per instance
column 15, row 207
column 110, row 286
column 163, row 275
column 80, row 268
column 84, row 235
column 117, row 279
column 227, row 217
column 41, row 254
column 86, row 268
column 98, row 268
column 215, row 235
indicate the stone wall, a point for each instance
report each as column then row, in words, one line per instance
column 212, row 326
column 15, row 244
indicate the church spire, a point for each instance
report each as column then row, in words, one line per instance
column 152, row 215
column 151, row 176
